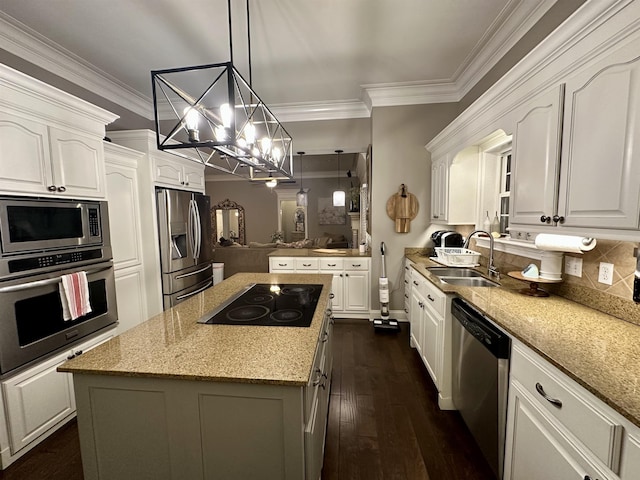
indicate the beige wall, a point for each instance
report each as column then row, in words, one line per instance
column 399, row 136
column 261, row 205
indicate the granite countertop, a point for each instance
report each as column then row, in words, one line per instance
column 600, row 352
column 173, row 345
column 311, row 252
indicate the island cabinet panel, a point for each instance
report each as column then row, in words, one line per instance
column 157, row 429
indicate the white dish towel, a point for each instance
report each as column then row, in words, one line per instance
column 74, row 295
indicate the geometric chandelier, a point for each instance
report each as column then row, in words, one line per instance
column 210, row 114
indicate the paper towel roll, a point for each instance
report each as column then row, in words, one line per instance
column 564, row 243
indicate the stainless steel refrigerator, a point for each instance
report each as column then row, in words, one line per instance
column 186, row 253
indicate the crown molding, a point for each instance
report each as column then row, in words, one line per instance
column 24, row 42
column 311, row 111
column 515, row 20
column 412, row 93
column 554, row 59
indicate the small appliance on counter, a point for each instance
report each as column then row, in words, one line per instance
column 446, row 238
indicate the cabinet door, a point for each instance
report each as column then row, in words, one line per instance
column 78, row 164
column 194, row 176
column 600, row 175
column 337, row 289
column 439, row 190
column 36, row 400
column 430, row 348
column 416, row 320
column 25, row 162
column 536, row 450
column 356, row 292
column 535, row 160
column 167, row 172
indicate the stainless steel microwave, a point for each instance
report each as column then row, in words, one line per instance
column 37, row 224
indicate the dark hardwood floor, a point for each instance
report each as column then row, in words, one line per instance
column 384, row 422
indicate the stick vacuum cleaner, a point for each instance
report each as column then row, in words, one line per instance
column 384, row 323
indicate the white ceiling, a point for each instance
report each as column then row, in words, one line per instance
column 311, row 59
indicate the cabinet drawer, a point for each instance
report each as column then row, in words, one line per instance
column 358, row 264
column 566, row 402
column 306, row 263
column 435, row 299
column 281, row 263
column 331, row 264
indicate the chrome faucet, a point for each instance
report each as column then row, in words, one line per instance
column 491, row 269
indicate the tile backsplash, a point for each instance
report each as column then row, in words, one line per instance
column 615, row 299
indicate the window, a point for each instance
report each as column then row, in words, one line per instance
column 505, row 189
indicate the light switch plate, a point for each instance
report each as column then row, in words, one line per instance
column 573, row 266
column 605, row 273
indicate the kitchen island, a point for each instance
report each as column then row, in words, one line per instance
column 174, row 399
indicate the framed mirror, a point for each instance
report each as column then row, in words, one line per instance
column 227, row 220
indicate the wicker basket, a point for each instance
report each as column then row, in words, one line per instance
column 457, row 256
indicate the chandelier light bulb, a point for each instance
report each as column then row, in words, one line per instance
column 250, row 133
column 276, row 155
column 221, row 133
column 226, row 114
column 265, row 143
column 191, row 117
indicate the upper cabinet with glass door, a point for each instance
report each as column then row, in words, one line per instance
column 587, row 173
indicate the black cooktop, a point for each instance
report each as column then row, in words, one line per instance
column 282, row 305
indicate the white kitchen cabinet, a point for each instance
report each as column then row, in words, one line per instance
column 588, row 177
column 172, row 171
column 41, row 160
column 126, row 227
column 430, row 319
column 600, row 167
column 556, row 429
column 351, row 280
column 40, row 400
column 536, row 160
column 454, row 188
column 407, row 286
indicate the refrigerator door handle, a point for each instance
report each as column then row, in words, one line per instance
column 192, row 229
column 196, row 211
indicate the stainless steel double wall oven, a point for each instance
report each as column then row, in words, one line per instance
column 41, row 240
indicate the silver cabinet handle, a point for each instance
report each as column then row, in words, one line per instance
column 51, row 188
column 553, row 401
column 64, row 189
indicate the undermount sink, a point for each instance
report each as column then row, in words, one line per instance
column 469, row 281
column 454, row 272
column 462, row 277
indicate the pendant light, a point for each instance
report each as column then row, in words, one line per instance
column 301, row 196
column 338, row 195
column 211, row 115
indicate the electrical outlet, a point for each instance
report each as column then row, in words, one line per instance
column 605, row 274
column 573, row 266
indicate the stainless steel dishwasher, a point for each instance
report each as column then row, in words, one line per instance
column 481, row 379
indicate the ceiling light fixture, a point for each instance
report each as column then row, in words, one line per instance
column 272, row 182
column 210, row 114
column 339, row 195
column 301, row 196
